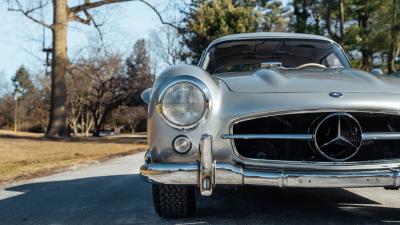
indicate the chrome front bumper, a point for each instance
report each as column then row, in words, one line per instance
column 207, row 173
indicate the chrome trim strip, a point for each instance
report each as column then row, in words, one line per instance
column 381, row 136
column 322, row 110
column 322, row 180
column 170, row 173
column 323, row 166
column 268, row 136
column 228, row 174
column 365, row 136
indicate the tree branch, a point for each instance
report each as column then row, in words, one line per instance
column 97, row 26
column 76, row 17
column 159, row 14
column 27, row 13
column 90, row 5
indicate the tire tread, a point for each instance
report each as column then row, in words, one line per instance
column 174, row 201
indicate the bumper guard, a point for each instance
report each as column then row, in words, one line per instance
column 207, row 173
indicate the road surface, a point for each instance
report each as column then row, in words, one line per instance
column 113, row 193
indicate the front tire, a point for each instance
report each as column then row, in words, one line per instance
column 174, row 201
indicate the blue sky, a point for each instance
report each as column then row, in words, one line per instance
column 124, row 23
column 20, row 39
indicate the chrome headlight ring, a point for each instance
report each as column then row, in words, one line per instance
column 190, row 81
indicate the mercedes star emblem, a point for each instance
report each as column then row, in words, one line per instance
column 336, row 94
column 338, row 137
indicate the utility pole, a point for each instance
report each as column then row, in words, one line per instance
column 16, row 113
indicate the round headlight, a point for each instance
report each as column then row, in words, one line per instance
column 183, row 104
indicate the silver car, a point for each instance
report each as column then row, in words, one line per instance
column 269, row 109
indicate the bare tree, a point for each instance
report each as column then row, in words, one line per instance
column 39, row 104
column 62, row 15
column 165, row 47
column 109, row 90
column 40, row 115
column 98, row 85
column 6, row 111
column 76, row 89
column 131, row 116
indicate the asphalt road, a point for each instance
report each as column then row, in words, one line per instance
column 113, row 193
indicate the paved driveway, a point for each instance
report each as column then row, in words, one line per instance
column 113, row 193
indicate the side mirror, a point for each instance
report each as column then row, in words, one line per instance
column 376, row 72
column 146, row 94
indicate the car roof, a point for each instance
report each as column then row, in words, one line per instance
column 261, row 35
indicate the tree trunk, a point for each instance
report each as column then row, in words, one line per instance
column 328, row 23
column 116, row 129
column 99, row 121
column 366, row 60
column 75, row 127
column 394, row 30
column 317, row 27
column 82, row 124
column 58, row 114
column 341, row 22
column 96, row 126
column 88, row 127
column 86, row 123
column 393, row 52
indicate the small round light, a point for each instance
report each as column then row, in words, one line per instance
column 182, row 144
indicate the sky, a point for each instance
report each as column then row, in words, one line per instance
column 21, row 39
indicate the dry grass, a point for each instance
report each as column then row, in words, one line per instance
column 25, row 155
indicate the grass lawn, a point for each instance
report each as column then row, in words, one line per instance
column 25, row 155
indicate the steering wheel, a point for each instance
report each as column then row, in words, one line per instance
column 311, row 65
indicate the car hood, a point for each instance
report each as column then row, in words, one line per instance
column 305, row 81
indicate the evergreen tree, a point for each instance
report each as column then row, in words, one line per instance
column 209, row 20
column 205, row 21
column 308, row 16
column 138, row 72
column 368, row 33
column 22, row 82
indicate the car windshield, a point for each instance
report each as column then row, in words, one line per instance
column 245, row 55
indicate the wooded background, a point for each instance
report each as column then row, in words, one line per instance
column 100, row 90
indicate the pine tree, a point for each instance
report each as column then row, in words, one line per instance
column 138, row 72
column 22, row 82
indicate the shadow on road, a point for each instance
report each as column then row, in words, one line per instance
column 126, row 199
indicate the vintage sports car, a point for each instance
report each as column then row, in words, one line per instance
column 269, row 109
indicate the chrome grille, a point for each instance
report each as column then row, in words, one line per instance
column 289, row 137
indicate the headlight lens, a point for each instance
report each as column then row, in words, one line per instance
column 183, row 104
